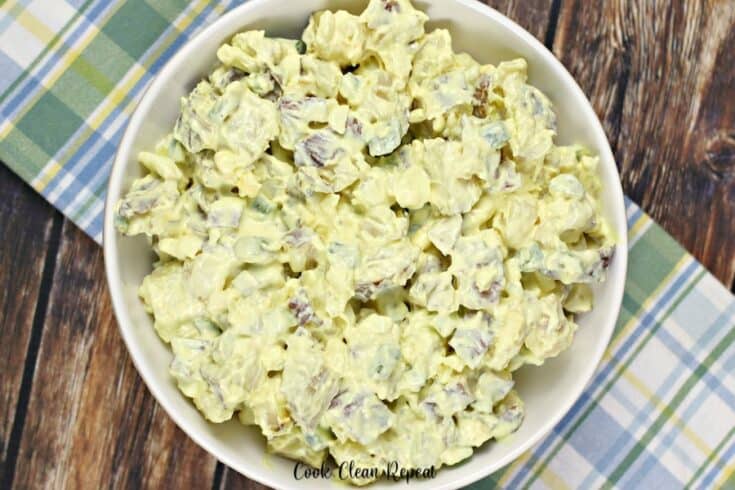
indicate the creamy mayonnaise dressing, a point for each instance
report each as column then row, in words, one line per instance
column 361, row 235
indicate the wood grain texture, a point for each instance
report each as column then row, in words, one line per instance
column 661, row 75
column 28, row 220
column 232, row 480
column 532, row 15
column 91, row 422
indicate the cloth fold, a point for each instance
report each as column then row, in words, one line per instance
column 660, row 411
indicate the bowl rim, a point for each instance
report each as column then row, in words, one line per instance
column 112, row 265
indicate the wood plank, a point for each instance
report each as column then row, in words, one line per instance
column 91, row 422
column 661, row 75
column 26, row 225
column 532, row 15
column 232, row 480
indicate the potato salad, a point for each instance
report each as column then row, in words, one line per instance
column 361, row 235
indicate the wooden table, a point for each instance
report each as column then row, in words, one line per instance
column 75, row 414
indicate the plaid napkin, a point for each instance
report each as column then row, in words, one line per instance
column 660, row 411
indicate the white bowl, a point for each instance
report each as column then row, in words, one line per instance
column 549, row 392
